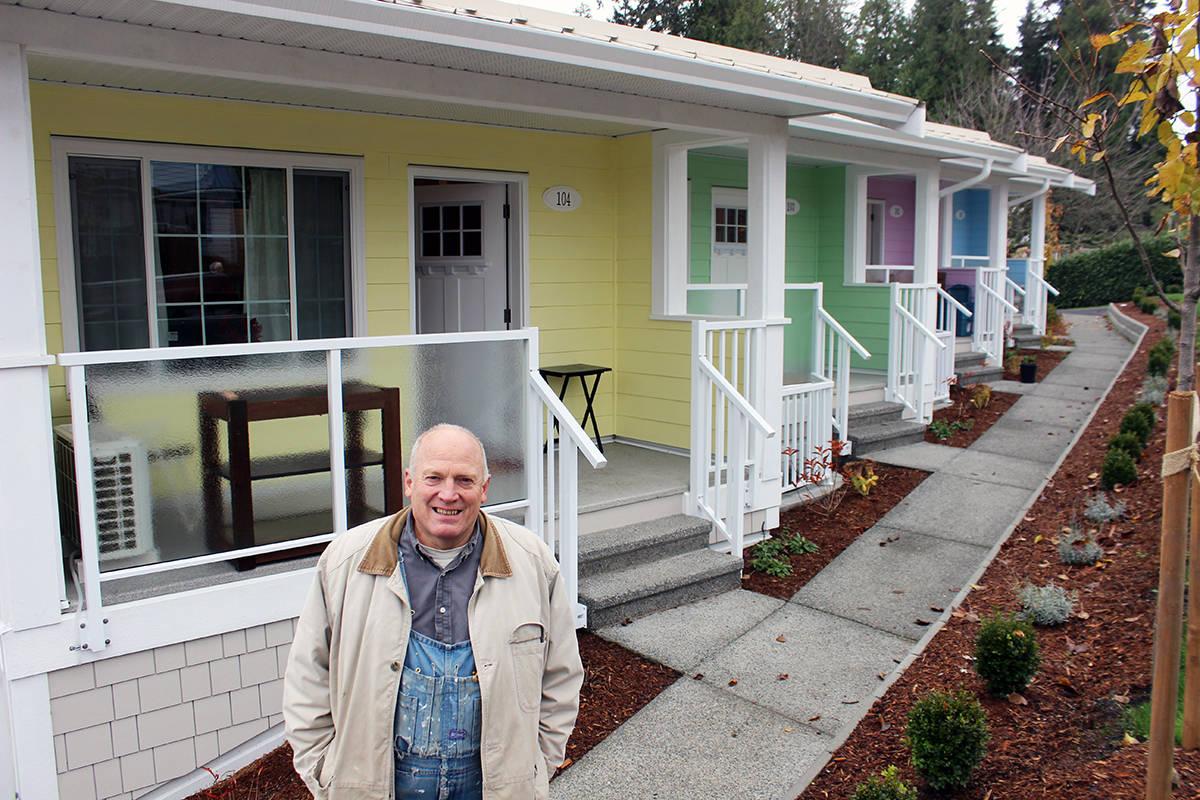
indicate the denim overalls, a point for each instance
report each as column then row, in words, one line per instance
column 438, row 721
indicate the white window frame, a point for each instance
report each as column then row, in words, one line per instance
column 63, row 148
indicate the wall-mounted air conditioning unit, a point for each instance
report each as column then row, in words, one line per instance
column 121, row 476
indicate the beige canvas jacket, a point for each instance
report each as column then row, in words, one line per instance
column 343, row 672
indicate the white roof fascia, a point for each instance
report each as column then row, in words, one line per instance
column 877, row 137
column 672, row 63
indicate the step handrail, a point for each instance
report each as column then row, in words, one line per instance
column 998, row 296
column 845, row 334
column 737, row 399
column 949, row 298
column 1014, row 286
column 920, row 326
column 1043, row 282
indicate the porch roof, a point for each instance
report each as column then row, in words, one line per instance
column 152, row 45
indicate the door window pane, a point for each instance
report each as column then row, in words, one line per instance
column 453, row 229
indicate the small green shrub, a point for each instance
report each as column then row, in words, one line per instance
column 1139, row 294
column 1006, row 653
column 1127, row 442
column 1147, row 411
column 1148, row 305
column 1135, row 422
column 1100, row 511
column 1118, row 468
column 1174, row 320
column 946, row 734
column 1158, row 360
column 944, row 430
column 799, row 545
column 1077, row 550
column 885, row 786
column 1046, row 605
column 770, row 557
column 1174, row 288
column 1051, row 313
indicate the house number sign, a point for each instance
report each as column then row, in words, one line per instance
column 562, row 198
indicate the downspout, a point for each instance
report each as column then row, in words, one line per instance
column 969, row 182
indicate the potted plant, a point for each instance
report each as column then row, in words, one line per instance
column 1028, row 369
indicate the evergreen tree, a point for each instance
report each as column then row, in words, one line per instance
column 1034, row 57
column 662, row 16
column 812, row 31
column 744, row 24
column 878, row 43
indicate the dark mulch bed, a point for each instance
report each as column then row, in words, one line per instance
column 1065, row 742
column 832, row 524
column 1047, row 360
column 962, row 410
column 617, row 683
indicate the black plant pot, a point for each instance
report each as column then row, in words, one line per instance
column 1028, row 371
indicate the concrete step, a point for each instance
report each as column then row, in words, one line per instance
column 867, row 414
column 640, row 542
column 1025, row 337
column 970, row 369
column 882, row 435
column 642, row 589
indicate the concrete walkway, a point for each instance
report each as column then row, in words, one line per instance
column 734, row 726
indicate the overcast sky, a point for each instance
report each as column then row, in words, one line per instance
column 1008, row 12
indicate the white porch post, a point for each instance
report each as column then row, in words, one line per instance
column 669, row 231
column 946, row 230
column 1037, row 261
column 998, row 225
column 767, row 196
column 30, row 561
column 856, row 225
column 925, row 266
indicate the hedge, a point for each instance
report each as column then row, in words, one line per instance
column 1109, row 274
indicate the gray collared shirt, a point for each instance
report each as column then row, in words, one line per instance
column 439, row 596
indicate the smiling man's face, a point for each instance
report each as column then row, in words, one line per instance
column 446, row 483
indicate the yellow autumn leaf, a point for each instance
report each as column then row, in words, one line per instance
column 1089, row 125
column 1172, row 253
column 1149, row 120
column 1102, row 40
column 1059, row 142
column 1131, row 61
column 1037, row 538
column 1169, row 174
column 1094, row 98
column 1188, row 118
column 1099, row 156
column 1166, row 134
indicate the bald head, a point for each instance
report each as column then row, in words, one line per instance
column 447, row 432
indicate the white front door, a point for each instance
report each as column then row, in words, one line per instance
column 465, row 276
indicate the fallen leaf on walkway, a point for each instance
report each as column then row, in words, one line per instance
column 920, row 621
column 1093, row 475
column 781, row 638
column 787, row 730
column 1128, row 740
column 862, row 608
column 732, row 682
column 884, row 724
column 979, row 586
column 937, row 609
column 699, row 676
column 897, row 591
column 1134, row 619
column 881, row 675
column 627, row 621
column 849, row 702
column 814, row 719
column 1017, row 700
column 1123, row 699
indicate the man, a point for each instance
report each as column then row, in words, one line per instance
column 436, row 654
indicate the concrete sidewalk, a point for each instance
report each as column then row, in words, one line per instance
column 733, row 726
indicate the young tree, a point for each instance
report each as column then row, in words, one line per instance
column 812, row 31
column 947, row 37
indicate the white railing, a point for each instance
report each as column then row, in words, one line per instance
column 550, row 501
column 832, row 344
column 992, row 310
column 716, row 299
column 911, row 348
column 806, row 433
column 948, row 310
column 1036, row 295
column 1014, row 295
column 728, row 432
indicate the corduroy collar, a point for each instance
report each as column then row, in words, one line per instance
column 382, row 555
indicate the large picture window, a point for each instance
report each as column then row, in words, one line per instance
column 204, row 247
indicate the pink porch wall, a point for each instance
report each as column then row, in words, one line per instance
column 897, row 231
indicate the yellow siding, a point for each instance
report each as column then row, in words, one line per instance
column 589, row 282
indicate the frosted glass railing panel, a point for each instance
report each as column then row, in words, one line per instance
column 479, row 385
column 798, row 337
column 174, row 422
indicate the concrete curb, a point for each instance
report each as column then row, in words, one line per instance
column 1128, row 328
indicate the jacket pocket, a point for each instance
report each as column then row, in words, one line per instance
column 528, row 647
